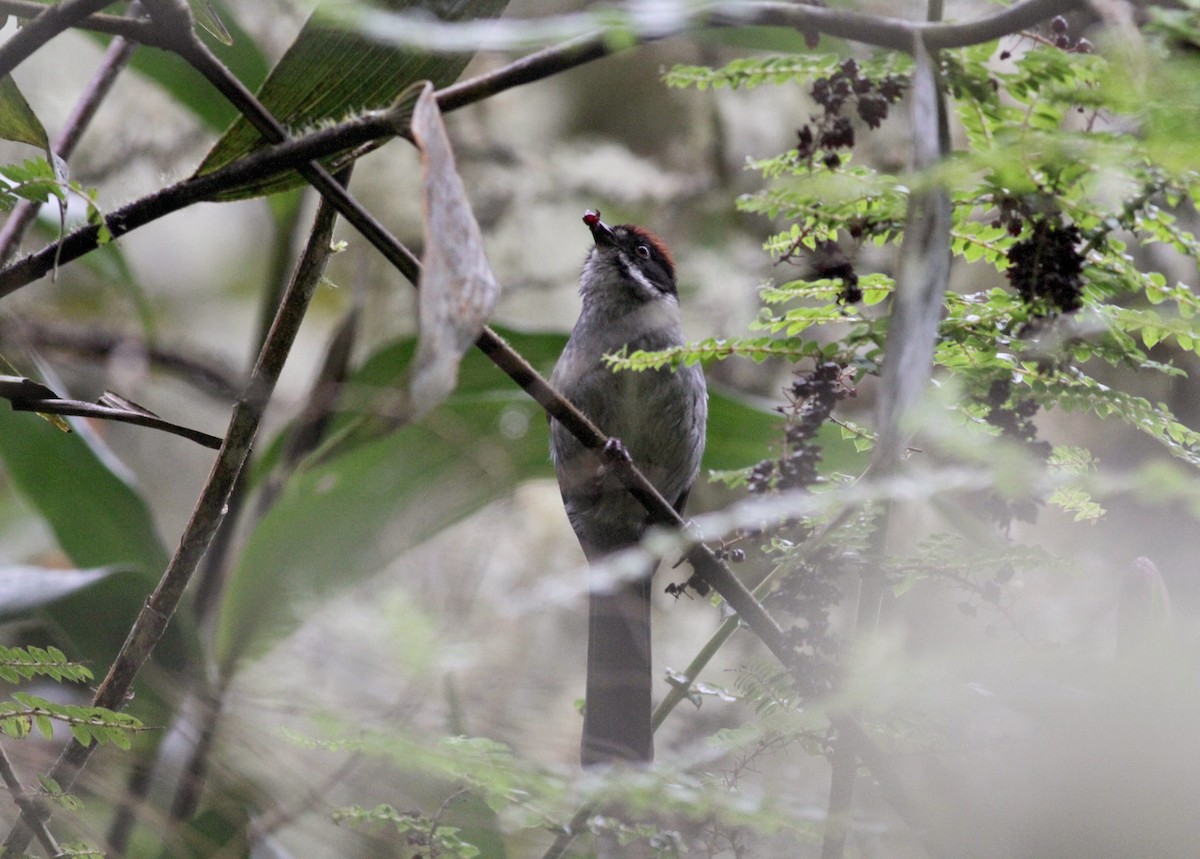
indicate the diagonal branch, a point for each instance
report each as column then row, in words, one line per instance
column 27, row 804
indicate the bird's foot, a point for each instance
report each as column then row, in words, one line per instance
column 615, row 452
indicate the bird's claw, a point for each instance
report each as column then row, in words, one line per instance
column 615, row 452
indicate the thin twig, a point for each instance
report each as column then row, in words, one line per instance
column 26, row 803
column 78, row 408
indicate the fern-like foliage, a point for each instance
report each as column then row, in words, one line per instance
column 23, row 713
column 37, row 180
column 420, row 833
column 25, row 663
column 1051, row 191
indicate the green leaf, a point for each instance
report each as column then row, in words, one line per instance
column 17, row 120
column 25, row 588
column 45, row 726
column 77, row 485
column 75, row 482
column 313, row 82
column 100, row 520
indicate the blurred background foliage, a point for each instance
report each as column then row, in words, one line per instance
column 385, row 659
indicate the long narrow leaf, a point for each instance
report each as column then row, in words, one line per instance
column 328, row 73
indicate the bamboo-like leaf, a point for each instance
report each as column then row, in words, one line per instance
column 100, row 519
column 25, row 588
column 206, row 17
column 17, row 120
column 328, row 73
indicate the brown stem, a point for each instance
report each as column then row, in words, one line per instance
column 26, row 803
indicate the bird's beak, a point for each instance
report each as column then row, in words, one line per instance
column 602, row 234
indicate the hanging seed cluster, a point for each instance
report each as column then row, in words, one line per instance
column 834, row 129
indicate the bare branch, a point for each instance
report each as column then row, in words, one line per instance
column 135, row 30
column 27, row 804
column 78, row 408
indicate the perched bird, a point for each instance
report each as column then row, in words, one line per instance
column 629, row 302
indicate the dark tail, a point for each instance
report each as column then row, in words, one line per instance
column 616, row 722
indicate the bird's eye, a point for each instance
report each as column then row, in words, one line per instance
column 642, row 251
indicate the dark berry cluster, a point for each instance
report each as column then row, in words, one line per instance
column 1013, row 414
column 833, row 130
column 810, row 400
column 1046, row 268
column 831, row 262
